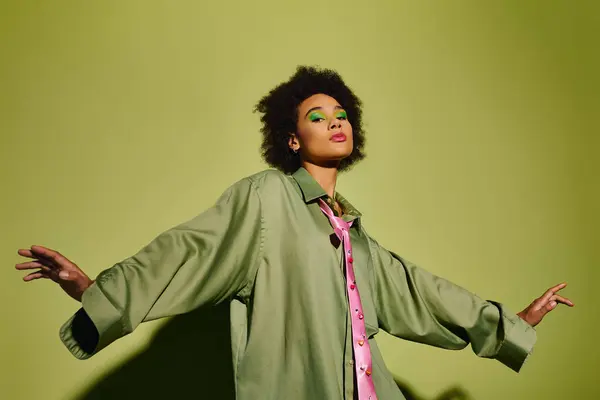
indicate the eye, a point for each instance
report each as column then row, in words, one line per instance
column 342, row 115
column 316, row 117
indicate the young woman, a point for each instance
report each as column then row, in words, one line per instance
column 308, row 287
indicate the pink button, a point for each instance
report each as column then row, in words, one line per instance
column 360, row 316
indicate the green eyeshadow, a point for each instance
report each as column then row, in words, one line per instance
column 316, row 115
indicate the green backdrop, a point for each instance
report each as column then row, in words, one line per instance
column 120, row 119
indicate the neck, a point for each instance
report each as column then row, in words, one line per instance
column 326, row 176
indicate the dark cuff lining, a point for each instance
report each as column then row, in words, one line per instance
column 84, row 331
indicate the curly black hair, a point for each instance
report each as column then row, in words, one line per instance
column 279, row 109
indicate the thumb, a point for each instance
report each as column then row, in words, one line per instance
column 549, row 306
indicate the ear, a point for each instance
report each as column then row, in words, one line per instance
column 293, row 142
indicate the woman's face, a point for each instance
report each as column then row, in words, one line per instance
column 323, row 133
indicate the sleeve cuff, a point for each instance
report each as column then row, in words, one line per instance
column 518, row 342
column 105, row 317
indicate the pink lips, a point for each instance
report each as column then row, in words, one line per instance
column 338, row 137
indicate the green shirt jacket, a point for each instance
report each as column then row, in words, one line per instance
column 267, row 249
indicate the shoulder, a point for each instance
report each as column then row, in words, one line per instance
column 267, row 183
column 375, row 247
column 267, row 175
column 269, row 180
column 372, row 243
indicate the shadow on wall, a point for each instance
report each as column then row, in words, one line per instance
column 454, row 393
column 183, row 361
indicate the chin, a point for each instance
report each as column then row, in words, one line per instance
column 340, row 155
column 346, row 152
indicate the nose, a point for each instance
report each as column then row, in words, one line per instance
column 335, row 123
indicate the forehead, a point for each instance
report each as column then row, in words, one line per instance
column 318, row 100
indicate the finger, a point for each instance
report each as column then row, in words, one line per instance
column 35, row 275
column 54, row 255
column 558, row 287
column 26, row 253
column 32, row 265
column 38, row 257
column 550, row 292
column 561, row 299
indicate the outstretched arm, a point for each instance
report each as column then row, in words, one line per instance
column 206, row 260
column 416, row 305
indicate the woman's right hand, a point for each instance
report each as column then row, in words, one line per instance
column 50, row 264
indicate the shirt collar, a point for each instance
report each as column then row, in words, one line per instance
column 311, row 190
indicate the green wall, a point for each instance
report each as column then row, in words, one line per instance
column 119, row 119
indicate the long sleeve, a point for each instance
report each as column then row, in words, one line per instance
column 414, row 304
column 207, row 260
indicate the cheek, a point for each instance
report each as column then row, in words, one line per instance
column 349, row 130
column 311, row 132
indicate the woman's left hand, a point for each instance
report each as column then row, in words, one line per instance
column 535, row 312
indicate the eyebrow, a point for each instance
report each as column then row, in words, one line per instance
column 319, row 107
